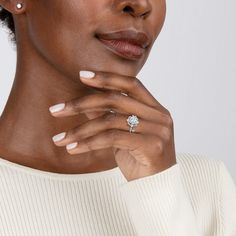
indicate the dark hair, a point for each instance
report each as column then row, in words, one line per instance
column 6, row 19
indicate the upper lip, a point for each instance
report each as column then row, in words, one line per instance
column 136, row 37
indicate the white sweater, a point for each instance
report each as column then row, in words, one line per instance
column 195, row 197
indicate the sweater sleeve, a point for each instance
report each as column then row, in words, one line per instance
column 227, row 203
column 158, row 205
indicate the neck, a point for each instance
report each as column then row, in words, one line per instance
column 27, row 127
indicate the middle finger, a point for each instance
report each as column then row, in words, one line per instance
column 111, row 101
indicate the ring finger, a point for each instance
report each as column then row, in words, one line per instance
column 106, row 122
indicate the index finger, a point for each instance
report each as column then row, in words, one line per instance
column 129, row 85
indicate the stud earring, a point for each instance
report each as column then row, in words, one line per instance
column 19, row 5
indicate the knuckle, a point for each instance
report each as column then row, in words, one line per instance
column 167, row 111
column 135, row 83
column 88, row 143
column 104, row 81
column 113, row 97
column 169, row 121
column 73, row 105
column 71, row 133
column 104, row 75
column 110, row 118
column 166, row 133
column 159, row 146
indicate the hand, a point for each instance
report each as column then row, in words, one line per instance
column 147, row 151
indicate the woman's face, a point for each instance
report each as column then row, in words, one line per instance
column 63, row 32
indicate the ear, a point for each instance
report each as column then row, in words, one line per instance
column 11, row 6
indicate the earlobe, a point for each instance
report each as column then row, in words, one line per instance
column 14, row 7
column 19, row 7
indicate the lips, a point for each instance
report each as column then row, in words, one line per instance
column 129, row 43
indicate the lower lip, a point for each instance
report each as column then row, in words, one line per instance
column 124, row 48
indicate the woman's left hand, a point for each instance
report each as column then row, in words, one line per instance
column 148, row 150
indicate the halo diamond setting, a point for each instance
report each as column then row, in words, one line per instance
column 132, row 122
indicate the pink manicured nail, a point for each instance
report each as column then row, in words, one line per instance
column 59, row 137
column 71, row 145
column 57, row 107
column 86, row 74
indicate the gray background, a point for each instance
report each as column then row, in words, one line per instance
column 191, row 71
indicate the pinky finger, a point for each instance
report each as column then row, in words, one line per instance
column 110, row 138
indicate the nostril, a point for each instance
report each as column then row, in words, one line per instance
column 128, row 9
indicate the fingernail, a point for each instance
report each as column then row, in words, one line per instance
column 59, row 137
column 57, row 107
column 86, row 74
column 71, row 145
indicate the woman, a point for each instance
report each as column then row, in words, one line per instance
column 85, row 148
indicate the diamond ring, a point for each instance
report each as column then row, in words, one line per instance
column 132, row 121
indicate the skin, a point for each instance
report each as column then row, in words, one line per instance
column 53, row 45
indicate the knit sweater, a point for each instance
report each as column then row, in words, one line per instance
column 194, row 197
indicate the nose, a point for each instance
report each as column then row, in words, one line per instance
column 136, row 8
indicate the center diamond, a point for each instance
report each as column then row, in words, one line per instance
column 132, row 120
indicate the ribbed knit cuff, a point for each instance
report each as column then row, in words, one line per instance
column 158, row 204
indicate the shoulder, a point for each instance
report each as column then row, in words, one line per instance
column 199, row 164
column 202, row 176
column 211, row 190
column 199, row 173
